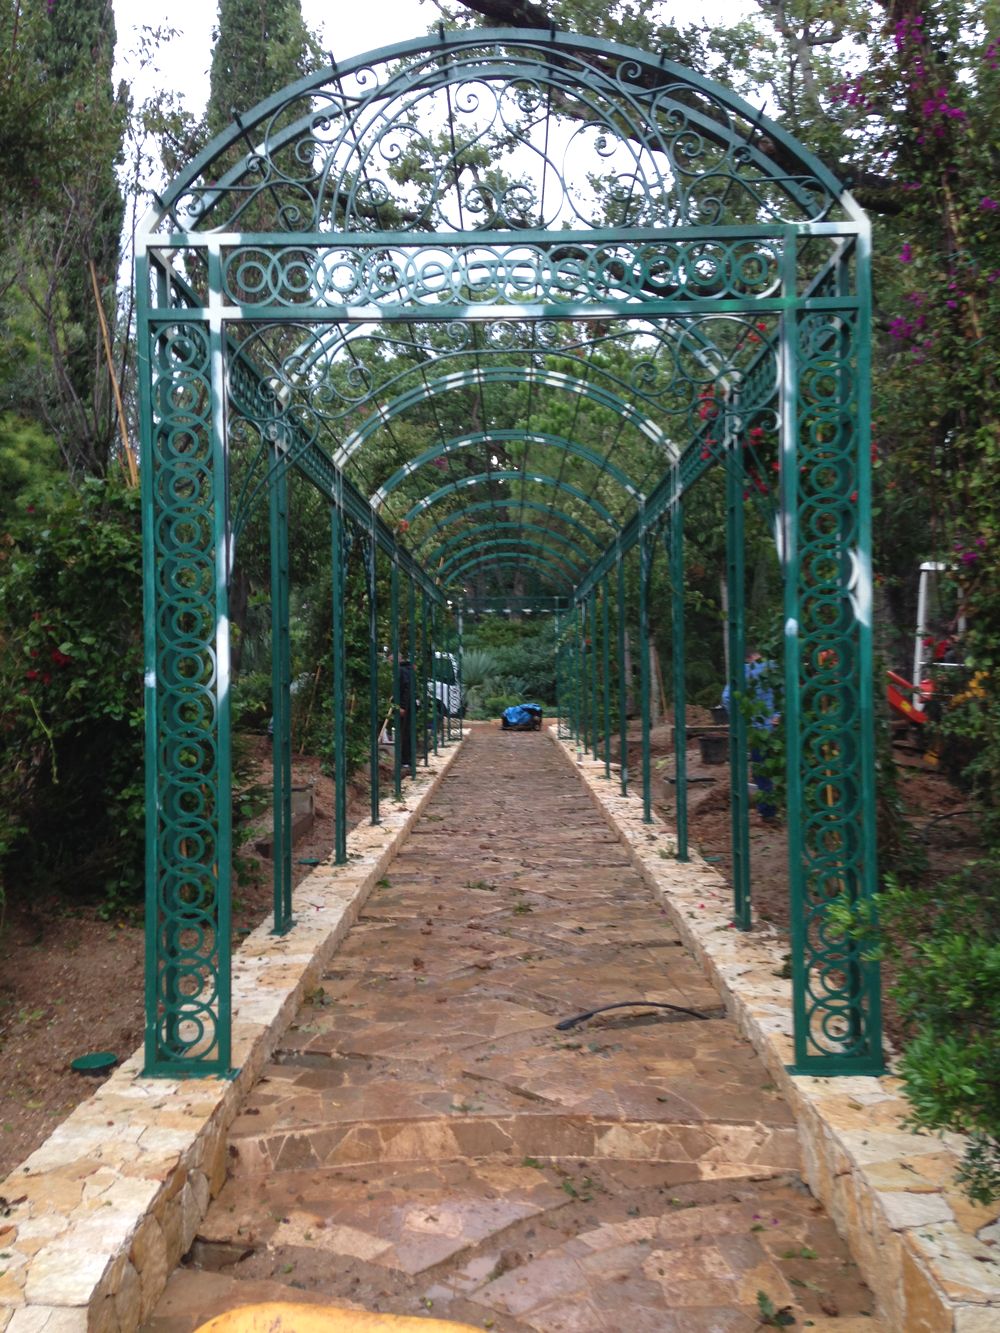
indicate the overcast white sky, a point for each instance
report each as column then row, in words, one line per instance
column 346, row 28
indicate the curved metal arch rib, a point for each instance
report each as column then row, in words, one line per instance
column 487, row 478
column 551, row 512
column 532, row 561
column 486, row 437
column 480, row 530
column 483, row 375
column 510, row 545
column 641, row 80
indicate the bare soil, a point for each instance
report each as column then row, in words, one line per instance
column 71, row 981
column 938, row 815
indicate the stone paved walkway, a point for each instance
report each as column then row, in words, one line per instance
column 426, row 1140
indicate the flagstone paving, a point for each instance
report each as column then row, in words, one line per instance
column 427, row 1141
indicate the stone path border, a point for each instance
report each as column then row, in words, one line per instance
column 930, row 1256
column 95, row 1220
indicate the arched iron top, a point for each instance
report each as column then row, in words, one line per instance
column 503, row 374
column 550, row 511
column 509, row 546
column 520, row 565
column 475, row 535
column 501, row 476
column 476, row 439
column 528, row 113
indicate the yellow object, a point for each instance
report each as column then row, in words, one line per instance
column 289, row 1317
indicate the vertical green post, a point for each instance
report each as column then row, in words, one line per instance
column 187, row 688
column 458, row 682
column 435, row 707
column 738, row 773
column 594, row 708
column 828, row 697
column 448, row 671
column 606, row 674
column 676, row 555
column 573, row 671
column 411, row 644
column 581, row 679
column 339, row 663
column 645, row 569
column 623, row 682
column 371, row 557
column 397, row 721
column 424, row 673
column 558, row 665
column 281, row 699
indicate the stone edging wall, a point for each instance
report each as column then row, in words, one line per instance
column 101, row 1213
column 931, row 1258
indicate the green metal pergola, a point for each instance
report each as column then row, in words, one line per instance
column 504, row 298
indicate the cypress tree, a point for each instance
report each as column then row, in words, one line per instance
column 78, row 49
column 262, row 45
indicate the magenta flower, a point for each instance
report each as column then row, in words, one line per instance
column 906, row 254
column 988, row 205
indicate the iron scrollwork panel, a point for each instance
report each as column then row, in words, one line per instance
column 436, row 274
column 188, row 962
column 837, row 990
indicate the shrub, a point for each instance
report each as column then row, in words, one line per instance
column 944, row 938
column 71, row 804
column 947, row 941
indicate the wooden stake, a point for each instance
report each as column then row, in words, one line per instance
column 133, row 472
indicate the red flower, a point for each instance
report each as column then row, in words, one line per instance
column 31, row 675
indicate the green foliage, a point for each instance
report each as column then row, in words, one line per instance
column 945, row 940
column 71, row 794
column 771, row 1315
column 260, row 48
column 29, row 461
column 61, row 133
column 478, row 666
column 508, row 661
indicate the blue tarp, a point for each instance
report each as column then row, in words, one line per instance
column 521, row 715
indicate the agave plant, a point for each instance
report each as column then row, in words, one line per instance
column 478, row 665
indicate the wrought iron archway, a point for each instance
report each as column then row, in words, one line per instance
column 506, row 241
